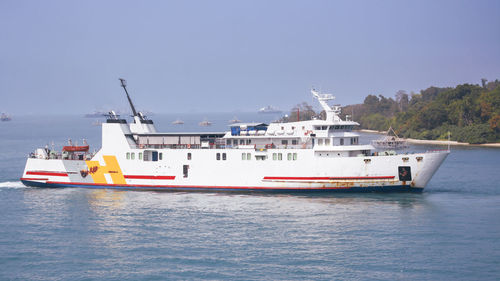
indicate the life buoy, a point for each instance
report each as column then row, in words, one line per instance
column 403, row 173
column 188, row 146
column 307, row 132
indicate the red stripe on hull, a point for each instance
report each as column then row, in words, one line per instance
column 54, row 174
column 330, row 178
column 149, row 177
column 34, row 179
column 189, row 186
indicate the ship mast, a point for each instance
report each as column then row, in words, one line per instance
column 332, row 112
column 124, row 85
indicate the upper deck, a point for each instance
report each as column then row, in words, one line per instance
column 331, row 134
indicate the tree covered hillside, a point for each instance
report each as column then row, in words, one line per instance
column 470, row 112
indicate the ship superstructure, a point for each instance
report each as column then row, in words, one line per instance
column 314, row 155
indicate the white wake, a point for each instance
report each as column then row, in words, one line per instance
column 12, row 184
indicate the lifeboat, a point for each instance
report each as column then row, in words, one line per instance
column 75, row 148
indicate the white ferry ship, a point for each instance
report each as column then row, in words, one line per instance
column 314, row 155
column 269, row 109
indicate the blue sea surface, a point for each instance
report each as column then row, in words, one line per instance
column 450, row 232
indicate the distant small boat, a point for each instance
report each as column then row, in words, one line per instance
column 391, row 141
column 235, row 120
column 269, row 109
column 5, row 117
column 178, row 122
column 205, row 123
column 95, row 114
column 148, row 113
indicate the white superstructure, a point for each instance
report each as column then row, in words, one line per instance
column 314, row 155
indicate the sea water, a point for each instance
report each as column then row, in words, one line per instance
column 449, row 232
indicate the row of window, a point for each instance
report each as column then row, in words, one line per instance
column 241, row 142
column 331, row 128
column 276, row 156
column 131, row 156
column 289, row 156
column 293, row 128
column 246, row 156
column 159, row 156
column 247, row 142
column 285, row 142
column 155, row 156
column 327, row 141
column 224, row 157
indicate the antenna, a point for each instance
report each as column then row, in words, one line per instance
column 449, row 133
column 332, row 112
column 124, row 85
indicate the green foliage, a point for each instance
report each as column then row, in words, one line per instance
column 470, row 112
column 479, row 133
column 489, row 104
column 375, row 121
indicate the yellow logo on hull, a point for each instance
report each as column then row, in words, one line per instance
column 112, row 168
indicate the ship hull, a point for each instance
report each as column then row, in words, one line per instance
column 261, row 189
column 309, row 173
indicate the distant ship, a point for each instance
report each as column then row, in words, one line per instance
column 205, row 123
column 5, row 117
column 95, row 114
column 97, row 123
column 178, row 122
column 148, row 113
column 234, row 120
column 269, row 109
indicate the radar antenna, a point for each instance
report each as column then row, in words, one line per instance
column 124, row 85
column 332, row 112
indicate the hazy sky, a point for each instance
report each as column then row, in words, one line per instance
column 224, row 56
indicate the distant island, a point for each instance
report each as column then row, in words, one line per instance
column 471, row 113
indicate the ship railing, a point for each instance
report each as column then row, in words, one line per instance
column 218, row 146
column 177, row 146
column 185, row 146
column 437, row 150
column 61, row 156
